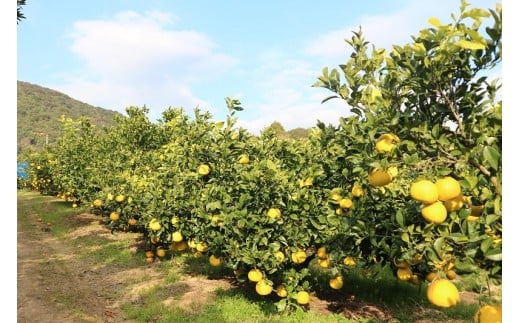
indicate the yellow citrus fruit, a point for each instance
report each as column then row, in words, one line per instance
column 192, row 244
column 114, row 216
column 175, row 220
column 74, row 205
column 357, row 190
column 378, row 177
column 443, row 293
column 263, row 287
column 154, row 225
column 349, row 261
column 280, row 256
column 255, row 275
column 431, row 276
column 120, row 198
column 345, row 203
column 336, row 282
column 322, row 253
column 149, row 254
column 214, row 261
column 385, row 143
column 160, row 252
column 424, row 191
column 384, row 146
column 298, row 256
column 435, row 212
column 303, row 297
column 197, row 254
column 274, row 213
column 177, row 236
column 404, row 273
column 203, row 169
column 179, row 246
column 451, row 274
column 243, row 159
column 448, row 188
column 154, row 240
column 454, row 204
column 201, row 246
column 488, row 314
column 281, row 291
column 335, row 196
column 324, row 263
column 132, row 221
column 339, row 211
column 98, row 203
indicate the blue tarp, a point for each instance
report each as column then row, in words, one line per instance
column 22, row 170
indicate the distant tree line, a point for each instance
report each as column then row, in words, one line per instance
column 296, row 133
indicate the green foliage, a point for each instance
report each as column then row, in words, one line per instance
column 431, row 97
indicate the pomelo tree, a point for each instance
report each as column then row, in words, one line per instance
column 437, row 95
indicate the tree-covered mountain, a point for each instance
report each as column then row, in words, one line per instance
column 38, row 115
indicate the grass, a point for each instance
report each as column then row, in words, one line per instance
column 234, row 303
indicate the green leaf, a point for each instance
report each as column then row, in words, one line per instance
column 459, row 237
column 399, row 218
column 475, row 13
column 494, row 255
column 438, row 245
column 328, row 98
column 465, row 266
column 466, row 44
column 486, row 244
column 469, row 182
column 491, row 156
column 434, row 21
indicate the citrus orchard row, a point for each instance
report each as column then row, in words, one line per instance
column 393, row 184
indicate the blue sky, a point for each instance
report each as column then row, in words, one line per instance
column 162, row 53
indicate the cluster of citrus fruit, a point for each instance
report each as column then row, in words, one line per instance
column 437, row 198
column 341, row 201
column 382, row 177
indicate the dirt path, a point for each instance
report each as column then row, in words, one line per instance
column 50, row 279
column 57, row 284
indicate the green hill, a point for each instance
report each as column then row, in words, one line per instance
column 39, row 110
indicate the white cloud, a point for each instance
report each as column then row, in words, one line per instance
column 392, row 28
column 288, row 96
column 137, row 59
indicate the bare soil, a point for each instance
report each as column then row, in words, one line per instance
column 57, row 284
